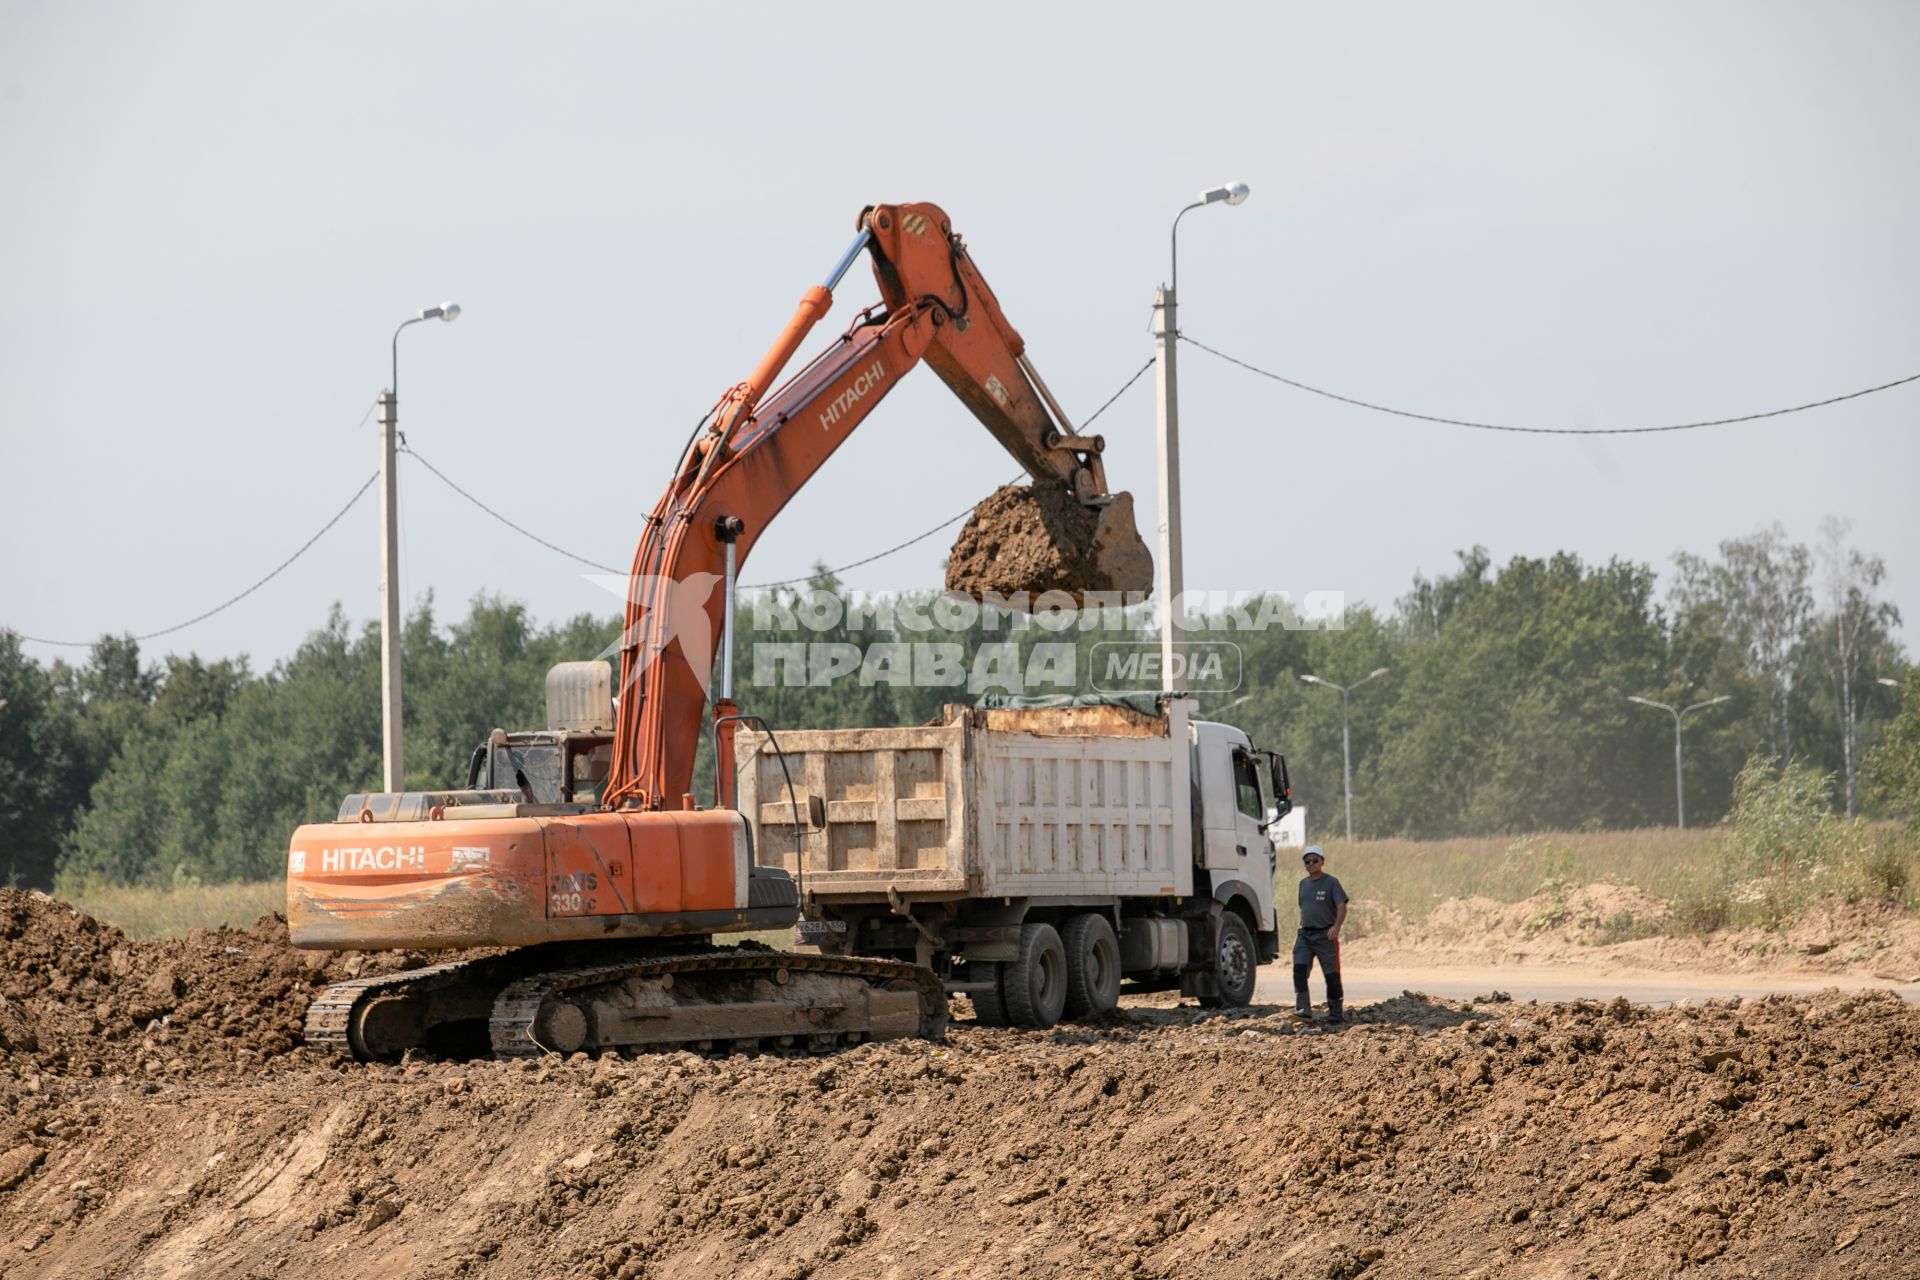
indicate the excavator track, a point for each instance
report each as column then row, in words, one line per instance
column 529, row 1002
column 718, row 1001
column 338, row 1019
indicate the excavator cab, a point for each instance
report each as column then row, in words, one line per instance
column 552, row 767
column 568, row 762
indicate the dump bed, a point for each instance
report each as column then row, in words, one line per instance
column 1054, row 802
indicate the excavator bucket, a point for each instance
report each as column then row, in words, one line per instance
column 1119, row 557
column 1038, row 538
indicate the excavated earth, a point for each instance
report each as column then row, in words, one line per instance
column 159, row 1120
column 1036, row 539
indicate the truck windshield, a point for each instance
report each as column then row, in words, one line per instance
column 1246, row 787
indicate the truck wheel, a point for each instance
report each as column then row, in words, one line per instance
column 1235, row 959
column 1035, row 985
column 989, row 1010
column 1093, row 965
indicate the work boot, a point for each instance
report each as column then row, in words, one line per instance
column 1336, row 1012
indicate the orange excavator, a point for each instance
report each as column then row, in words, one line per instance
column 581, row 851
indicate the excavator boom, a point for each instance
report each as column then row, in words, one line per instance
column 760, row 448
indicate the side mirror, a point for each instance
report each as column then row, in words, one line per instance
column 1282, row 788
column 816, row 813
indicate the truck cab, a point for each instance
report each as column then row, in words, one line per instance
column 1241, row 794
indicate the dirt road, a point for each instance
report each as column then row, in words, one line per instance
column 1559, row 982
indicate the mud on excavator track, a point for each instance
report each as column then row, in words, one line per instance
column 563, row 1000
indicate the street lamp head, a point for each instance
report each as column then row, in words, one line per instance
column 1312, row 680
column 1377, row 671
column 448, row 311
column 1232, row 193
column 1888, row 681
column 1645, row 702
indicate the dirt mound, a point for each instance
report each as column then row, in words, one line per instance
column 1771, row 1137
column 1035, row 539
column 81, row 998
column 1618, row 924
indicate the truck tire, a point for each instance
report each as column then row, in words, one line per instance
column 989, row 1009
column 1034, row 986
column 1093, row 965
column 1235, row 962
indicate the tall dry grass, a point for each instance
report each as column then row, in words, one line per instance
column 1413, row 876
column 1711, row 878
column 145, row 913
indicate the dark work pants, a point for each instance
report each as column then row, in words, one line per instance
column 1309, row 945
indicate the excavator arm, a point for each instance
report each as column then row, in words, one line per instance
column 757, row 449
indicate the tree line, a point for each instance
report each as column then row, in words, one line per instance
column 1503, row 706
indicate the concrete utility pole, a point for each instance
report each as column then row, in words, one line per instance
column 1167, row 421
column 1679, row 761
column 1346, row 735
column 392, row 754
column 1166, row 336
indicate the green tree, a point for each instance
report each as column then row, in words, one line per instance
column 1759, row 595
column 1894, row 766
column 43, row 773
column 1855, row 631
column 1511, row 711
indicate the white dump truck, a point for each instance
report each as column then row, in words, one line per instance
column 1037, row 857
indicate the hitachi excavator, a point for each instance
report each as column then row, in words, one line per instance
column 581, row 851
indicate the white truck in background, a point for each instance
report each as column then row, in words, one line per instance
column 1036, row 857
column 1291, row 831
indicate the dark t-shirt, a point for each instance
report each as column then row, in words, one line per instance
column 1320, row 902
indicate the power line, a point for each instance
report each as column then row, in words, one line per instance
column 1124, row 387
column 922, row 537
column 526, row 533
column 523, row 532
column 878, row 555
column 1547, row 431
column 202, row 617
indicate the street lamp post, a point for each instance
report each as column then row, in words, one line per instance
column 1346, row 734
column 1679, row 762
column 393, row 767
column 1166, row 335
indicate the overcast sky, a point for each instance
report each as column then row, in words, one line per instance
column 1568, row 215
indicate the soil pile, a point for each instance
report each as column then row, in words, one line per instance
column 1602, row 924
column 81, row 998
column 1035, row 539
column 1767, row 1137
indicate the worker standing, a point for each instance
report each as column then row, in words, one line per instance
column 1323, row 909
